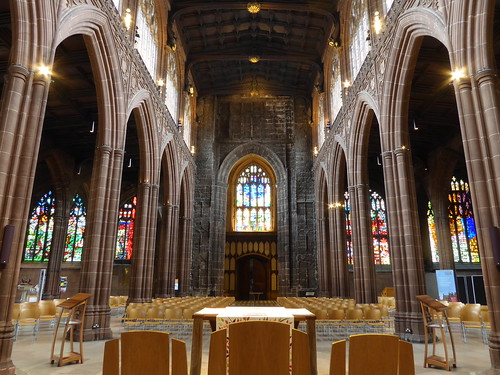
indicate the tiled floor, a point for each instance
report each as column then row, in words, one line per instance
column 32, row 357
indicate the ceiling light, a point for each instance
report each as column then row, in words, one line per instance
column 254, row 59
column 253, row 7
column 160, row 82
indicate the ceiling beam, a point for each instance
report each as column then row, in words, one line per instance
column 178, row 11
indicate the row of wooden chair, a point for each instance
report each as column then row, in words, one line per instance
column 173, row 315
column 469, row 317
column 33, row 315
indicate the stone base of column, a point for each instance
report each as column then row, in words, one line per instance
column 494, row 346
column 97, row 323
column 409, row 326
column 6, row 342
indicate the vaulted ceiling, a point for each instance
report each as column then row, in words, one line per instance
column 288, row 37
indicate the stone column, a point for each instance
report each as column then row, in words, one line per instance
column 141, row 280
column 184, row 258
column 481, row 134
column 100, row 240
column 166, row 269
column 339, row 282
column 364, row 266
column 52, row 287
column 405, row 241
column 21, row 121
column 324, row 263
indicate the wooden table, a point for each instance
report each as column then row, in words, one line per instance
column 210, row 314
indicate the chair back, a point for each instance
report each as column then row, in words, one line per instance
column 354, row 314
column 179, row 358
column 47, row 307
column 470, row 313
column 145, row 352
column 373, row 314
column 406, row 365
column 301, row 353
column 373, row 354
column 217, row 353
column 259, row 347
column 337, row 358
column 111, row 360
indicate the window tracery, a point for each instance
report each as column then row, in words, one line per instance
column 125, row 235
column 253, row 200
column 147, row 42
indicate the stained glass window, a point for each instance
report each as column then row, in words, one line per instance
column 348, row 228
column 76, row 228
column 253, row 201
column 40, row 229
column 379, row 230
column 380, row 242
column 462, row 225
column 125, row 237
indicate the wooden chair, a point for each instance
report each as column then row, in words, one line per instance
column 48, row 312
column 144, row 352
column 486, row 325
column 470, row 318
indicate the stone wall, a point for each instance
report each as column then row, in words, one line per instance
column 279, row 125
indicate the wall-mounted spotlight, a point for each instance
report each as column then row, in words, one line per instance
column 127, row 19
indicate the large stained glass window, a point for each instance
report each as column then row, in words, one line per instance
column 462, row 226
column 348, row 228
column 40, row 229
column 379, row 229
column 125, row 237
column 253, row 201
column 76, row 228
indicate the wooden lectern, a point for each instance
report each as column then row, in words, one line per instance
column 435, row 317
column 75, row 306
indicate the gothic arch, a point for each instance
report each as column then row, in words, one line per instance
column 219, row 212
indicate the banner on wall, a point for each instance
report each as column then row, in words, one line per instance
column 447, row 288
column 63, row 284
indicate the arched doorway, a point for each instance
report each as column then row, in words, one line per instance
column 251, row 266
column 253, row 277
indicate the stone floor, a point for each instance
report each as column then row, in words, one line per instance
column 31, row 356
